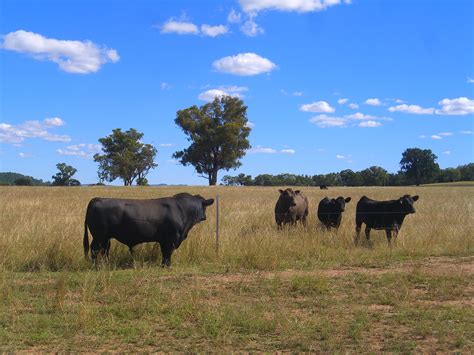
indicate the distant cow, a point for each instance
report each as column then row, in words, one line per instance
column 330, row 211
column 166, row 221
column 291, row 206
column 323, row 187
column 387, row 215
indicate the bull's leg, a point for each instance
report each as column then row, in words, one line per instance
column 95, row 249
column 357, row 234
column 396, row 230
column 304, row 221
column 367, row 236
column 166, row 251
column 389, row 236
column 107, row 250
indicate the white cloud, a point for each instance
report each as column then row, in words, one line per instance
column 234, row 91
column 414, row 109
column 166, row 145
column 253, row 6
column 25, row 155
column 210, row 95
column 262, row 150
column 78, row 57
column 353, row 106
column 165, row 86
column 373, row 102
column 447, row 152
column 318, row 106
column 399, row 101
column 234, row 16
column 465, row 132
column 251, row 28
column 82, row 150
column 179, row 27
column 342, row 101
column 214, row 31
column 445, row 134
column 470, row 80
column 422, row 136
column 325, row 121
column 15, row 134
column 360, row 116
column 369, row 124
column 244, row 64
column 459, row 106
column 250, row 125
column 436, row 137
column 339, row 156
column 287, row 151
column 54, row 122
column 297, row 93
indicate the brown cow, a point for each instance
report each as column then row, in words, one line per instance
column 292, row 206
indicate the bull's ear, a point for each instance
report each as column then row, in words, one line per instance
column 297, row 191
column 415, row 198
column 281, row 191
column 348, row 199
column 208, row 202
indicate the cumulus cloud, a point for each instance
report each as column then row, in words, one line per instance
column 318, row 106
column 244, row 64
column 414, row 109
column 250, row 125
column 364, row 121
column 54, row 122
column 459, row 106
column 16, row 134
column 259, row 149
column 262, row 150
column 342, row 101
column 373, row 102
column 301, row 6
column 78, row 57
column 251, row 28
column 234, row 16
column 470, row 80
column 370, row 124
column 325, row 121
column 82, row 150
column 436, row 137
column 353, row 106
column 339, row 156
column 234, row 91
column 179, row 27
column 25, row 155
column 214, row 31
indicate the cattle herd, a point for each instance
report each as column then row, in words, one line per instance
column 167, row 221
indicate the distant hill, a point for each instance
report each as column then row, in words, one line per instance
column 10, row 178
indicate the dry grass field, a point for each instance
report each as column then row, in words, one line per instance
column 265, row 290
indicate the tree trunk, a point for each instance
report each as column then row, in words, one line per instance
column 213, row 177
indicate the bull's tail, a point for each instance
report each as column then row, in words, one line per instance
column 85, row 241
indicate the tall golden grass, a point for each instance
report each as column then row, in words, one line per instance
column 41, row 228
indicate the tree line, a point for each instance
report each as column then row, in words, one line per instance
column 218, row 135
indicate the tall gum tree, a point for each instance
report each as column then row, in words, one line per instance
column 218, row 134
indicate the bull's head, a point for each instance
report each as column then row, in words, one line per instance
column 406, row 203
column 288, row 197
column 204, row 203
column 340, row 202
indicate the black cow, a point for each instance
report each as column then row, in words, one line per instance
column 387, row 215
column 323, row 187
column 292, row 206
column 166, row 221
column 330, row 211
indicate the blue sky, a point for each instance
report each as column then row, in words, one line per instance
column 329, row 85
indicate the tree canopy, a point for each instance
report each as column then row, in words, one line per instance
column 125, row 157
column 64, row 176
column 419, row 165
column 218, row 134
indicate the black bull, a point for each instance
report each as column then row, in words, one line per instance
column 166, row 221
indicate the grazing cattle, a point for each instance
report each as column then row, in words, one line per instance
column 291, row 206
column 330, row 211
column 387, row 215
column 323, row 187
column 166, row 221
